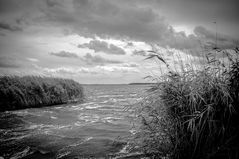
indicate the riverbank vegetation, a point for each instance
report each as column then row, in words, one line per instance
column 32, row 91
column 193, row 112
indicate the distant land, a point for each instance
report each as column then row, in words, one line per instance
column 140, row 83
column 118, row 84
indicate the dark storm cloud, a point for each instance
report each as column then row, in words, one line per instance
column 212, row 39
column 101, row 46
column 117, row 18
column 139, row 53
column 137, row 21
column 134, row 19
column 52, row 3
column 8, row 65
column 88, row 58
column 202, row 12
column 2, row 34
column 7, row 62
column 64, row 54
column 194, row 10
column 5, row 26
column 8, row 5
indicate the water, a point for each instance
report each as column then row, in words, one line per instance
column 98, row 128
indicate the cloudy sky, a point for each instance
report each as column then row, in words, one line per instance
column 104, row 41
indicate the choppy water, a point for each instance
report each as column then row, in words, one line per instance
column 97, row 128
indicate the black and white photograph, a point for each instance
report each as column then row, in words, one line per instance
column 119, row 79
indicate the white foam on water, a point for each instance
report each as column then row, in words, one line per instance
column 133, row 131
column 47, row 126
column 95, row 106
column 77, row 108
column 78, row 123
column 88, row 103
column 133, row 94
column 109, row 119
column 63, row 154
column 53, row 117
column 34, row 126
column 89, row 118
column 49, row 132
column 15, row 138
column 74, row 106
column 47, row 111
column 21, row 154
column 63, row 126
column 88, row 138
column 105, row 96
column 64, row 151
column 58, row 107
column 140, row 98
column 113, row 100
column 26, row 112
column 124, row 149
column 106, row 101
column 19, row 112
column 79, row 143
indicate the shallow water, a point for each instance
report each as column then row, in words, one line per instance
column 97, row 128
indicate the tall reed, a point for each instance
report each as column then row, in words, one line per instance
column 192, row 112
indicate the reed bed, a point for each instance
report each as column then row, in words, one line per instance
column 32, row 91
column 192, row 111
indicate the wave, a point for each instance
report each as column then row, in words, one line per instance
column 108, row 96
column 68, row 149
column 47, row 126
column 89, row 118
column 22, row 154
column 95, row 106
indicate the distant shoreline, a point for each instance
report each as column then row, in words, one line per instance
column 119, row 84
column 141, row 83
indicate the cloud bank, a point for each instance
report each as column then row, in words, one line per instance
column 64, row 54
column 123, row 19
column 102, row 46
column 89, row 59
column 6, row 26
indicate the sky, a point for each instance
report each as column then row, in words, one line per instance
column 106, row 41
